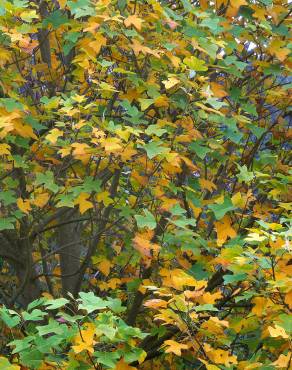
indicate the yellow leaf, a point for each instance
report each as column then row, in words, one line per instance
column 122, row 365
column 104, row 197
column 156, row 303
column 134, row 20
column 5, row 364
column 283, row 361
column 170, row 82
column 144, row 246
column 224, row 230
column 112, row 145
column 53, row 136
column 174, row 347
column 41, row 200
column 24, row 205
column 84, row 341
column 99, row 41
column 234, row 6
column 79, row 149
column 5, row 56
column 105, row 267
column 278, row 331
column 4, row 149
column 24, row 130
column 104, row 86
column 207, row 184
column 83, row 203
column 260, row 304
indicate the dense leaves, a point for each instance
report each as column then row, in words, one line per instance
column 145, row 184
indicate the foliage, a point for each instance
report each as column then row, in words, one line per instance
column 145, row 161
column 86, row 332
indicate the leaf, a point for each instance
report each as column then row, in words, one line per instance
column 7, row 223
column 244, row 175
column 41, row 200
column 134, row 20
column 224, row 230
column 5, row 365
column 278, row 331
column 122, row 365
column 54, row 304
column 174, row 347
column 83, row 203
column 146, row 221
column 24, row 205
column 90, row 303
column 107, row 358
column 84, row 340
column 5, row 149
column 222, row 208
column 155, row 148
column 47, row 179
column 144, row 246
column 170, row 82
column 195, row 64
column 105, row 267
column 53, row 136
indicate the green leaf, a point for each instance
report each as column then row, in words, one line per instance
column 200, row 150
column 195, row 64
column 155, row 148
column 222, row 208
column 90, row 302
column 54, row 304
column 244, row 175
column 35, row 315
column 56, row 19
column 228, row 279
column 7, row 223
column 205, row 307
column 115, row 305
column 107, row 330
column 10, row 317
column 107, row 358
column 155, row 129
column 47, row 179
column 146, row 221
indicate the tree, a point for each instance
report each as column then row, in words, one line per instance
column 145, row 157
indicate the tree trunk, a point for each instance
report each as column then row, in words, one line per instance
column 70, row 251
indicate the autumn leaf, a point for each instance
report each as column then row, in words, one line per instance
column 24, row 205
column 170, row 82
column 83, row 202
column 134, row 20
column 278, row 331
column 84, row 340
column 224, row 230
column 5, row 149
column 174, row 347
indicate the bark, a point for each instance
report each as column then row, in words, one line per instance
column 43, row 36
column 69, row 234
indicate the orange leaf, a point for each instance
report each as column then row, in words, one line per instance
column 122, row 365
column 206, row 184
column 224, row 230
column 105, row 267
